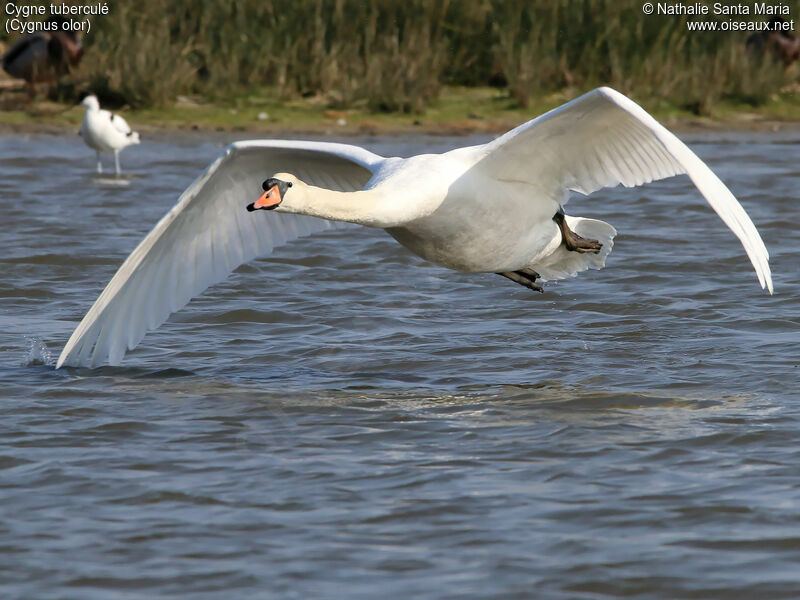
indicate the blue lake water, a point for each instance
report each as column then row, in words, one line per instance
column 345, row 420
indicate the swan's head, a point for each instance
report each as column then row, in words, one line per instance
column 276, row 189
column 91, row 102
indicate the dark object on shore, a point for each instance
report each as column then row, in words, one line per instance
column 783, row 45
column 44, row 56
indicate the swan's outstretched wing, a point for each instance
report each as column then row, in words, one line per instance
column 603, row 139
column 205, row 236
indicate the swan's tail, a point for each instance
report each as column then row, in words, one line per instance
column 565, row 263
column 133, row 138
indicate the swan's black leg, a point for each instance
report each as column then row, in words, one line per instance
column 524, row 277
column 572, row 240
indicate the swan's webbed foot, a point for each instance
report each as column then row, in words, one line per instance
column 524, row 277
column 572, row 241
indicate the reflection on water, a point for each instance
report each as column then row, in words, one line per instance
column 120, row 181
column 345, row 420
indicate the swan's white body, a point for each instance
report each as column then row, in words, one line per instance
column 105, row 132
column 484, row 208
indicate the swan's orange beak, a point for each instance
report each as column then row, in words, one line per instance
column 268, row 200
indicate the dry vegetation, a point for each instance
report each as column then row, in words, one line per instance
column 392, row 55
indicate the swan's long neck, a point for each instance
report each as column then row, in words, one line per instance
column 372, row 207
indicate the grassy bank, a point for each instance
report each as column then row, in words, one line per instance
column 457, row 110
column 388, row 56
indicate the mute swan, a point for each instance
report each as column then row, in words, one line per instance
column 105, row 132
column 491, row 208
column 44, row 55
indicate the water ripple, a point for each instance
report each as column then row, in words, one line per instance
column 343, row 419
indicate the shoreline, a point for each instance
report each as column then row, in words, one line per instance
column 440, row 128
column 458, row 112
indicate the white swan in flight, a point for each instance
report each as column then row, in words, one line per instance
column 490, row 208
column 105, row 132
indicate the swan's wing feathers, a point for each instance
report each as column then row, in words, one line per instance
column 603, row 139
column 205, row 236
column 585, row 145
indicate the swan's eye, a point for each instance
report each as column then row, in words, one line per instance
column 273, row 181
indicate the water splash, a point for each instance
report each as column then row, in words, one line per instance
column 38, row 353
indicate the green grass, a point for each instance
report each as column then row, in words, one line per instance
column 393, row 56
column 458, row 109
